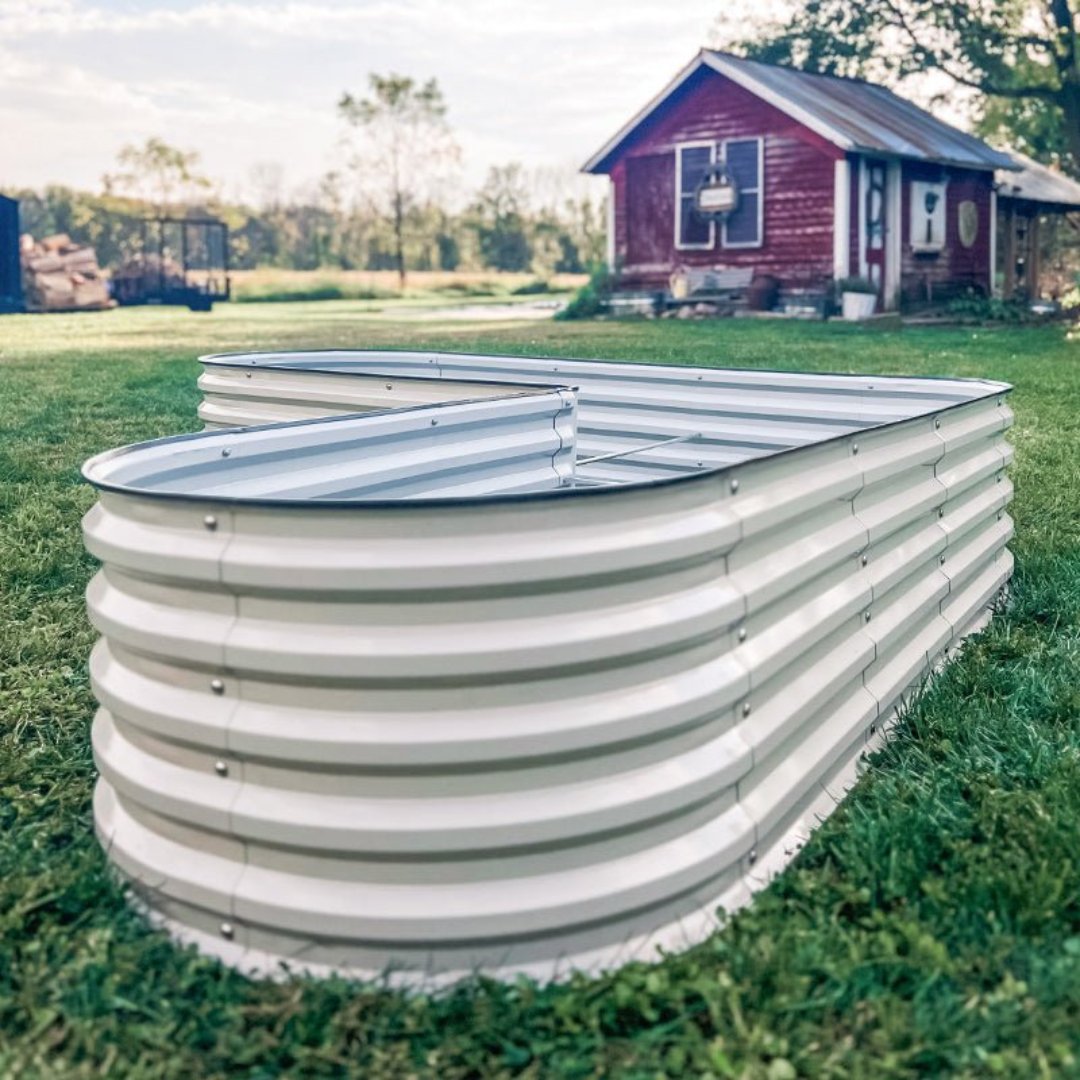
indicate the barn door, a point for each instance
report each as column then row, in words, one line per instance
column 874, row 223
column 650, row 211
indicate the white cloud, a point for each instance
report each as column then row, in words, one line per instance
column 245, row 82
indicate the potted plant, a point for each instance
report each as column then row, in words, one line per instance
column 858, row 298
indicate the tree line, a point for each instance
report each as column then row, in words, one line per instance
column 392, row 205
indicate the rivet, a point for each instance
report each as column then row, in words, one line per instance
column 389, row 386
column 700, row 464
column 700, row 377
column 227, row 931
column 854, row 447
column 210, row 522
column 998, row 479
column 866, row 616
column 752, row 856
column 434, row 421
column 941, row 511
column 746, row 708
column 937, row 423
column 742, row 633
column 873, row 729
column 941, row 559
column 247, row 374
column 1001, row 401
column 225, row 451
column 864, row 559
column 221, row 768
column 217, row 686
column 1000, row 514
column 734, row 485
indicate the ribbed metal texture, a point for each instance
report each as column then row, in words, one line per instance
column 524, row 734
column 524, row 442
column 725, row 417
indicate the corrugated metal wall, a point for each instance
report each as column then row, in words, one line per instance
column 532, row 733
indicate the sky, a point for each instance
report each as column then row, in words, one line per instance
column 250, row 82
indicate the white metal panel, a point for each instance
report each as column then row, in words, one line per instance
column 534, row 733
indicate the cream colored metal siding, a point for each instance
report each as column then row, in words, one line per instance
column 525, row 442
column 520, row 735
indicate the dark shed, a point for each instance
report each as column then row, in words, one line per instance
column 11, row 296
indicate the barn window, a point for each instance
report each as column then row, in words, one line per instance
column 692, row 162
column 744, row 160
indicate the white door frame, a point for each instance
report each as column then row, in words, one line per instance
column 891, row 270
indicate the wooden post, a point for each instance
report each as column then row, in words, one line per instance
column 1009, row 249
column 1034, row 263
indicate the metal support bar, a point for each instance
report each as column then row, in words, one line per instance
column 638, row 449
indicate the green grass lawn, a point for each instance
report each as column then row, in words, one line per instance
column 930, row 928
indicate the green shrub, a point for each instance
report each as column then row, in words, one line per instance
column 975, row 307
column 591, row 299
column 856, row 285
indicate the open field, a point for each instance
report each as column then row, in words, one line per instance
column 422, row 286
column 930, row 928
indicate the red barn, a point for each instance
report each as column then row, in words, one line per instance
column 830, row 178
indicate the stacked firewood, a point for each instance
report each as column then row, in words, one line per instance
column 59, row 275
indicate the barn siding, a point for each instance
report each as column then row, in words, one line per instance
column 929, row 277
column 797, row 242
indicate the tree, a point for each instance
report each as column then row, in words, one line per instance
column 499, row 218
column 1021, row 56
column 157, row 172
column 406, row 144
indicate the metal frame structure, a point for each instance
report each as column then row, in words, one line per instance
column 521, row 684
column 202, row 285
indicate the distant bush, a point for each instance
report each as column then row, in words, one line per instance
column 470, row 288
column 317, row 290
column 532, row 288
column 591, row 299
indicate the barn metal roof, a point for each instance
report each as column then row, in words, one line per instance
column 849, row 113
column 1037, row 183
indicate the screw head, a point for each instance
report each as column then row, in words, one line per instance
column 873, row 729
column 941, row 511
column 866, row 616
column 1000, row 514
column 389, row 386
column 228, row 932
column 734, row 484
column 217, row 686
column 752, row 856
column 941, row 560
column 937, row 423
column 742, row 633
column 210, row 522
column 746, row 708
column 434, row 422
column 864, row 559
column 998, row 478
column 221, row 768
